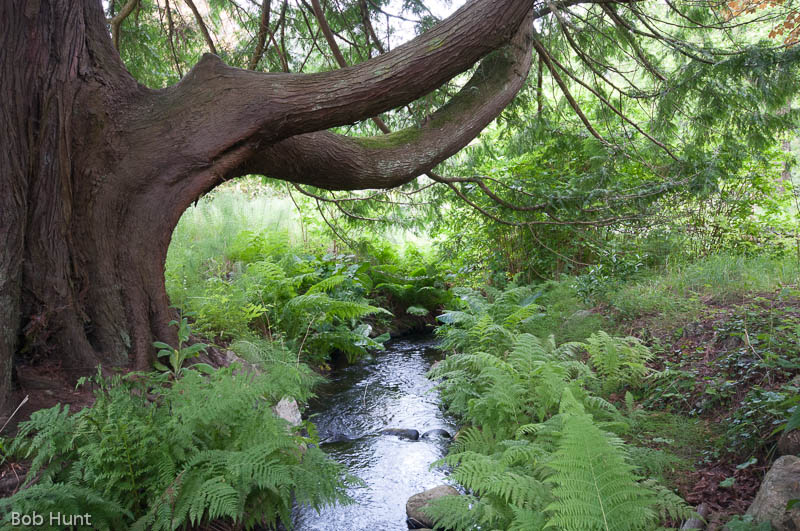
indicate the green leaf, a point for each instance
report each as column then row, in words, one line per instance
column 193, row 349
column 794, row 421
column 747, row 463
column 205, row 368
column 383, row 338
column 417, row 310
column 727, row 482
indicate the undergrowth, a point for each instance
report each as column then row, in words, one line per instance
column 543, row 446
column 153, row 453
column 275, row 278
column 679, row 292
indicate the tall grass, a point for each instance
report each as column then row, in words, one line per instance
column 203, row 239
column 680, row 291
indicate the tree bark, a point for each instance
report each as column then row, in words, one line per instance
column 70, row 283
column 97, row 170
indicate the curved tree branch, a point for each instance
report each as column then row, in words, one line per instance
column 243, row 107
column 332, row 161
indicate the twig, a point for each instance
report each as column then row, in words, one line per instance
column 24, row 401
column 303, row 342
column 747, row 338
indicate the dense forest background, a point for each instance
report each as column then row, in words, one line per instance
column 611, row 267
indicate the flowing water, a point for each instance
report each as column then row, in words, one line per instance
column 359, row 401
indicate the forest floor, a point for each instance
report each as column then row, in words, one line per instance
column 726, row 375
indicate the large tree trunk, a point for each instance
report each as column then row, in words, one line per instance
column 80, row 265
column 96, row 169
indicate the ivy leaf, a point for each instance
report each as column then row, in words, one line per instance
column 747, row 463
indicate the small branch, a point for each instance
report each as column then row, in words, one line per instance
column 333, row 229
column 540, row 49
column 282, row 26
column 539, row 93
column 311, row 30
column 337, row 52
column 24, row 401
column 203, row 28
column 614, row 109
column 369, row 29
column 480, row 181
column 261, row 39
column 171, row 26
column 116, row 22
column 632, row 41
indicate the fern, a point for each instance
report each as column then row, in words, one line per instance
column 67, row 498
column 322, row 308
column 668, row 504
column 488, row 336
column 548, row 453
column 527, row 520
column 419, row 311
column 651, row 462
column 327, row 284
column 620, row 361
column 279, row 363
column 513, row 302
column 456, row 513
column 594, row 486
column 207, row 448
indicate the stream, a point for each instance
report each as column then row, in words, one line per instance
column 386, row 391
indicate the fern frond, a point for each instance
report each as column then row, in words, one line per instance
column 327, row 284
column 594, row 486
column 619, row 361
column 52, row 498
column 457, row 513
column 527, row 520
column 668, row 504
